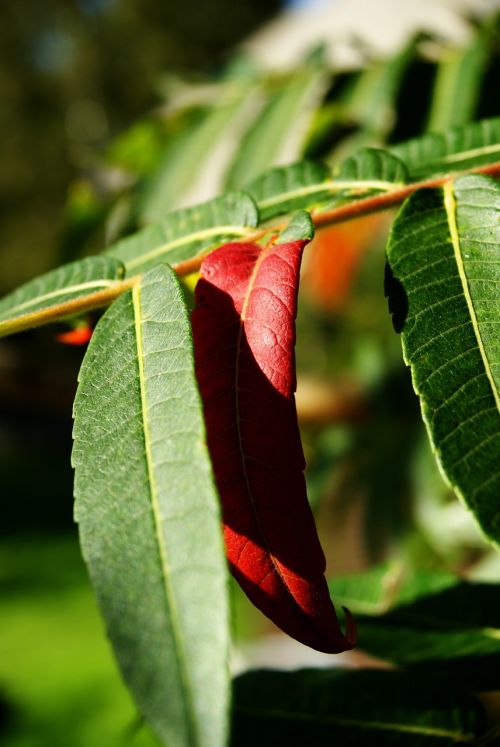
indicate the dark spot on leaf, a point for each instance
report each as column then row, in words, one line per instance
column 396, row 297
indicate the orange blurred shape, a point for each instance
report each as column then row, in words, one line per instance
column 78, row 336
column 333, row 259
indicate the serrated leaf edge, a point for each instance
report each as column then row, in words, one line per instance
column 329, row 187
column 91, row 284
column 176, row 243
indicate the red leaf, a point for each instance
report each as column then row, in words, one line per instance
column 244, row 336
column 78, row 336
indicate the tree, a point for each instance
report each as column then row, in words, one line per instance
column 185, row 411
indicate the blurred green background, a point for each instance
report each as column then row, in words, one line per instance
column 73, row 74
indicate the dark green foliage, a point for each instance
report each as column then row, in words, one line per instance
column 429, row 621
column 443, row 252
column 346, row 707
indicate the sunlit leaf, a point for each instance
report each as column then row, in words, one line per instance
column 185, row 159
column 429, row 619
column 451, row 151
column 244, row 334
column 443, row 286
column 459, row 75
column 385, row 586
column 309, row 185
column 148, row 513
column 370, row 99
column 68, row 283
column 375, row 165
column 185, row 233
column 278, row 134
column 286, row 188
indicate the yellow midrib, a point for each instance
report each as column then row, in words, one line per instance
column 331, row 186
column 450, row 205
column 69, row 290
column 181, row 241
column 157, row 518
column 472, row 153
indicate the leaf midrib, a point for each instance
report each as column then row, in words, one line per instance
column 178, row 649
column 450, row 205
column 241, row 330
column 184, row 240
column 67, row 290
column 341, row 721
column 471, row 153
column 330, row 187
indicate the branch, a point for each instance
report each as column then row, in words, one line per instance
column 340, row 214
column 353, row 210
column 390, row 199
column 76, row 306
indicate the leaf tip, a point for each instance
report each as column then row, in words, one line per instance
column 351, row 628
column 300, row 228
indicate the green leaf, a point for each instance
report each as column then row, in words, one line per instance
column 148, row 513
column 278, row 134
column 428, row 619
column 457, row 88
column 185, row 158
column 451, row 624
column 300, row 228
column 443, row 255
column 138, row 148
column 372, row 169
column 285, row 188
column 384, row 586
column 370, row 99
column 67, row 283
column 310, row 185
column 456, row 149
column 391, row 585
column 368, row 171
column 349, row 707
column 188, row 232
